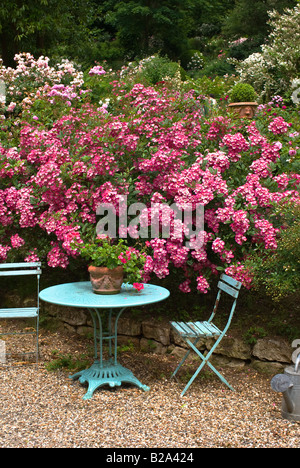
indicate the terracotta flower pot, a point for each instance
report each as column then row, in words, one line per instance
column 106, row 281
column 244, row 109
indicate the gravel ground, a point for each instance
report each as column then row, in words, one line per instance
column 45, row 409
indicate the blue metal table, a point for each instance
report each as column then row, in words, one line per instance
column 81, row 295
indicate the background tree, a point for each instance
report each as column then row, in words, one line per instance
column 143, row 27
column 250, row 20
column 276, row 68
column 41, row 26
column 173, row 27
column 117, row 31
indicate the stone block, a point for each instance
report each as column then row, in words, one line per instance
column 72, row 316
column 231, row 347
column 273, row 349
column 267, row 367
column 128, row 326
column 157, row 332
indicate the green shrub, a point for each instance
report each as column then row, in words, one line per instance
column 273, row 70
column 217, row 67
column 253, row 334
column 242, row 92
column 155, row 69
column 67, row 362
column 279, row 273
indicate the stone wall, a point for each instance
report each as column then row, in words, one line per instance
column 270, row 354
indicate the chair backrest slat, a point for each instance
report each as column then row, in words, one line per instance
column 229, row 285
column 6, row 266
column 228, row 289
column 231, row 281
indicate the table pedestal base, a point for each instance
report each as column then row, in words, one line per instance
column 107, row 373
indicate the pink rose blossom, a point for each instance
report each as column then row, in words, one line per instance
column 97, row 70
column 278, row 126
column 16, row 241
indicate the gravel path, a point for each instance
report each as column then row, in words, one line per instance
column 45, row 409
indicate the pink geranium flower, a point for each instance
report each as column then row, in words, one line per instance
column 138, row 286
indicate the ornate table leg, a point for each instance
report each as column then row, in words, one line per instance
column 112, row 374
column 104, row 372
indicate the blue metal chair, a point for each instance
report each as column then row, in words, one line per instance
column 191, row 332
column 23, row 269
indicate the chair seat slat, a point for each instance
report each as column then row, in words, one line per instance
column 177, row 327
column 202, row 329
column 207, row 329
column 190, row 329
column 25, row 312
column 215, row 330
column 196, row 329
column 183, row 330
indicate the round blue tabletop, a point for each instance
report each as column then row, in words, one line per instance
column 80, row 294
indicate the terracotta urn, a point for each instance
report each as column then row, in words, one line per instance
column 105, row 280
column 244, row 109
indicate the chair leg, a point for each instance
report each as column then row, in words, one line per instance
column 193, row 378
column 205, row 360
column 184, row 359
column 37, row 342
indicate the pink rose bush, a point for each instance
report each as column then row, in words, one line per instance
column 155, row 145
column 32, row 79
column 97, row 70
